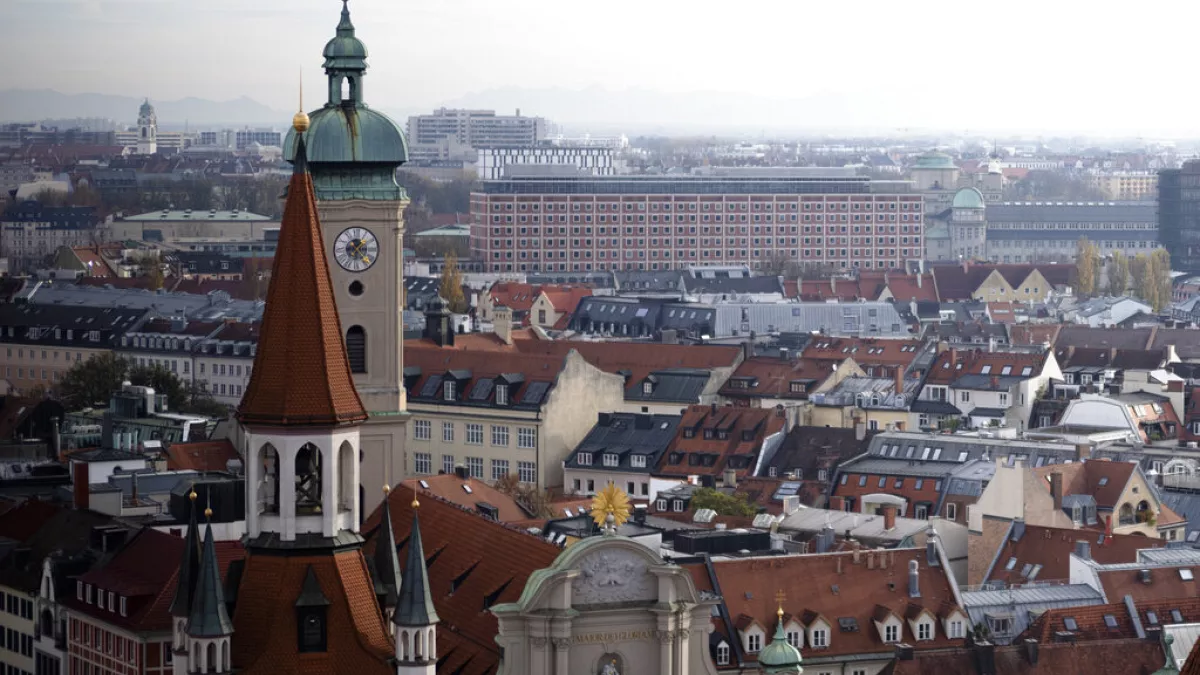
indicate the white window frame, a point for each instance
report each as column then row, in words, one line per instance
column 422, row 430
column 422, row 463
column 499, row 468
column 447, row 432
column 527, row 472
column 925, row 630
column 818, row 638
column 722, row 654
column 500, row 435
column 527, row 438
column 661, row 505
column 474, row 434
column 891, row 633
column 754, row 642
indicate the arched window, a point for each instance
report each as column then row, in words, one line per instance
column 403, row 645
column 347, row 488
column 308, row 480
column 225, row 664
column 347, row 91
column 268, row 484
column 47, row 623
column 211, row 656
column 356, row 349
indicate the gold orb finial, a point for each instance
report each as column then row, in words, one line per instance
column 300, row 120
column 208, row 512
column 192, row 495
column 415, row 503
column 386, row 488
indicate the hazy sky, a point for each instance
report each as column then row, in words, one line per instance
column 1053, row 64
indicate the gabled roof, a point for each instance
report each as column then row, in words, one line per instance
column 201, row 456
column 1049, row 549
column 1034, row 333
column 475, row 374
column 1091, row 624
column 64, row 531
column 467, row 493
column 1103, row 480
column 713, row 438
column 771, row 377
column 1076, row 335
column 864, row 351
column 301, row 373
column 1131, row 656
column 627, row 435
column 810, row 449
column 472, row 563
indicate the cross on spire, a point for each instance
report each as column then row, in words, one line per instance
column 780, row 597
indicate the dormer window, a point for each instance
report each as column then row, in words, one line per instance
column 448, row 390
column 647, row 387
column 722, row 654
column 691, row 433
column 753, row 642
column 611, row 459
column 501, row 394
column 584, row 459
column 637, row 461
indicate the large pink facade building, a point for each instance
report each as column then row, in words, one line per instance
column 571, row 224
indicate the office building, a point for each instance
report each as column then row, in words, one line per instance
column 496, row 163
column 1179, row 215
column 747, row 217
column 451, row 133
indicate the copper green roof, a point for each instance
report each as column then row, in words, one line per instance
column 344, row 134
column 345, row 51
column 968, row 198
column 780, row 656
column 935, row 160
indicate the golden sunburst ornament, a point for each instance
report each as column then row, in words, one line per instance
column 610, row 508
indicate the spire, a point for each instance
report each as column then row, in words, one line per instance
column 345, row 28
column 416, row 604
column 780, row 657
column 387, row 565
column 209, row 618
column 189, row 564
column 301, row 374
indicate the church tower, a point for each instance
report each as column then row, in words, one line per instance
column 353, row 153
column 415, row 632
column 299, row 597
column 147, row 141
column 208, row 633
column 181, row 604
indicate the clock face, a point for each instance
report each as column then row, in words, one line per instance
column 356, row 249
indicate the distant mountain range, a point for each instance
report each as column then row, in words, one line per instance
column 27, row 105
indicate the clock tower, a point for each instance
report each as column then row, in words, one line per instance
column 353, row 152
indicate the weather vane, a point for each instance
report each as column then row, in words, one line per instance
column 610, row 508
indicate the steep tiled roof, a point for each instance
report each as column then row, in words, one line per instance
column 810, row 449
column 1111, row 357
column 264, row 618
column 67, row 532
column 1118, row 657
column 864, row 351
column 428, row 368
column 451, row 488
column 952, row 364
column 771, row 377
column 23, row 521
column 301, row 373
column 472, row 563
column 1034, row 334
column 712, row 438
column 840, row 289
column 1104, row 338
column 837, row 586
column 566, row 298
column 1050, row 549
column 201, row 456
column 905, row 287
column 1103, row 480
column 1165, row 584
column 1091, row 624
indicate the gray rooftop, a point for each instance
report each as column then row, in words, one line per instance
column 866, row 319
column 197, row 215
column 859, row 525
column 1071, row 212
column 212, row 306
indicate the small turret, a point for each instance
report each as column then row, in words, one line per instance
column 208, row 626
column 415, row 618
column 387, row 565
column 185, row 587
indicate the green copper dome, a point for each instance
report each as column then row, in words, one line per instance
column 345, row 50
column 344, row 134
column 968, row 198
column 935, row 160
column 780, row 656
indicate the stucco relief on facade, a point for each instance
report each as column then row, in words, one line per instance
column 612, row 576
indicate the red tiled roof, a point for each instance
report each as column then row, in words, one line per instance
column 905, row 287
column 1052, row 547
column 1091, row 625
column 519, row 297
column 449, row 487
column 472, row 562
column 1103, row 480
column 744, row 431
column 1034, row 333
column 773, row 377
column 1113, row 657
column 945, row 368
column 201, row 456
column 24, row 520
column 264, row 619
column 833, row 586
column 1165, row 585
column 566, row 298
column 301, row 373
column 137, row 572
column 867, row 288
column 864, row 351
column 436, row 362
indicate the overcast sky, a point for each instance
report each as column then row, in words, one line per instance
column 1053, row 64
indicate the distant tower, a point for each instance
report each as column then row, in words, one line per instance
column 185, row 589
column 147, row 130
column 208, row 631
column 415, row 619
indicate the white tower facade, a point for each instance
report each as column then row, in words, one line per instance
column 147, row 130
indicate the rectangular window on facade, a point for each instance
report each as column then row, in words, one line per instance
column 422, row 430
column 527, row 472
column 474, row 434
column 447, row 464
column 422, row 463
column 526, row 438
column 500, row 436
column 475, row 467
column 447, row 432
column 499, row 468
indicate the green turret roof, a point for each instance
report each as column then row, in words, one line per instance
column 935, row 160
column 345, row 51
column 968, row 198
column 415, row 607
column 209, row 618
column 780, row 656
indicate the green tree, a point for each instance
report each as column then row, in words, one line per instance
column 91, row 382
column 1160, row 279
column 163, row 381
column 1086, row 268
column 1118, row 274
column 723, row 504
column 450, row 287
column 1139, row 271
column 200, row 401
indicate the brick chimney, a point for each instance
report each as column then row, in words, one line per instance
column 899, row 372
column 889, row 518
column 730, row 478
column 502, row 319
column 953, row 357
column 1082, row 452
column 1056, row 490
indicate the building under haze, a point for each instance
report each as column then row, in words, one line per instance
column 455, row 133
column 759, row 218
column 1179, row 215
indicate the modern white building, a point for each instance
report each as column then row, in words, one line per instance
column 590, row 161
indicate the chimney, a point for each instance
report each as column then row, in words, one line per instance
column 1175, row 386
column 1083, row 549
column 1108, row 526
column 134, row 487
column 79, row 477
column 825, row 539
column 1031, row 651
column 639, row 513
column 964, row 266
column 860, row 429
column 995, row 382
column 899, row 372
column 783, row 354
column 1056, row 490
column 931, row 550
column 747, row 350
column 985, row 656
column 837, row 503
column 889, row 518
column 730, row 478
column 502, row 323
column 914, row 587
column 833, row 285
column 953, row 357
column 1082, row 452
column 55, row 439
column 920, row 278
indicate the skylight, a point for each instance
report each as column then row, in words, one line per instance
column 1152, row 618
column 1012, row 562
column 1186, row 574
column 1110, row 621
column 1104, row 481
column 1176, row 616
column 1069, row 623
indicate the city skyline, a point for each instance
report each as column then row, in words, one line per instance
column 939, row 67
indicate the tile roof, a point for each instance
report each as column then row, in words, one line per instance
column 1091, row 624
column 475, row 372
column 772, row 377
column 1111, row 357
column 1103, row 480
column 1116, row 657
column 810, row 449
column 26, row 519
column 137, row 571
column 836, row 586
column 201, row 456
column 713, row 438
column 1071, row 335
column 1165, row 584
column 977, row 362
column 627, row 435
column 301, row 373
column 450, row 488
column 865, row 351
column 905, row 287
column 472, row 563
column 67, row 532
column 1049, row 549
column 1034, row 334
column 264, row 617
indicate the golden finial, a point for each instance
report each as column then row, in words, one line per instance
column 415, row 504
column 610, row 508
column 386, row 488
column 192, row 495
column 208, row 512
column 300, row 119
column 779, row 598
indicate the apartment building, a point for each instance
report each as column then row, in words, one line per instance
column 169, row 343
column 827, row 217
column 493, row 163
column 1127, row 185
column 30, row 231
column 454, row 133
column 225, row 359
column 499, row 415
column 38, row 343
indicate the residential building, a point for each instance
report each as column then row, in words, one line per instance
column 859, row 319
column 985, row 388
column 169, row 343
column 1000, row 283
column 717, row 441
column 821, row 216
column 876, row 357
column 543, row 305
column 455, row 133
column 30, row 232
column 879, row 403
column 1033, row 553
column 472, row 494
column 495, row 163
column 623, row 449
column 1142, row 416
column 811, row 453
column 1107, row 311
column 1125, row 502
column 224, row 360
column 1008, row 613
column 1020, row 232
column 24, row 529
column 618, row 317
column 139, row 414
column 218, row 305
column 1122, row 652
column 41, row 342
column 1126, row 185
column 521, row 414
column 783, row 382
